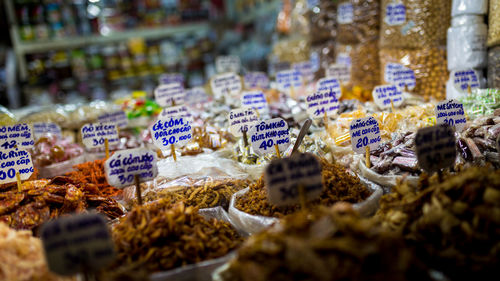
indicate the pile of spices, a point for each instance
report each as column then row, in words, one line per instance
column 93, row 172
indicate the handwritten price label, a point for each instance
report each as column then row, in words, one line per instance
column 435, row 147
column 327, row 84
column 345, row 13
column 462, row 80
column 256, row 80
column 122, row 167
column 226, row 84
column 400, row 75
column 306, row 69
column 175, row 111
column 18, row 135
column 240, row 120
column 284, row 176
column 364, row 132
column 95, row 134
column 41, row 128
column 165, row 94
column 340, row 71
column 196, row 95
column 255, row 99
column 383, row 95
column 287, row 78
column 225, row 64
column 176, row 131
column 12, row 161
column 344, row 58
column 169, row 78
column 118, row 117
column 322, row 102
column 395, row 14
column 451, row 112
column 266, row 134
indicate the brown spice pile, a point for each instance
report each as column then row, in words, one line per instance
column 339, row 185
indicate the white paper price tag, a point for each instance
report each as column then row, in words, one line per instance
column 345, row 13
column 435, row 147
column 77, row 243
column 241, row 119
column 168, row 78
column 41, row 128
column 315, row 61
column 95, row 134
column 175, row 111
column 287, row 78
column 254, row 99
column 364, row 132
column 343, row 58
column 225, row 64
column 306, row 70
column 400, row 75
column 266, row 134
column 226, row 84
column 451, row 112
column 19, row 135
column 196, row 95
column 383, row 95
column 322, row 102
column 12, row 161
column 327, row 84
column 464, row 79
column 123, row 165
column 165, row 94
column 118, row 117
column 395, row 14
column 284, row 176
column 256, row 80
column 176, row 131
column 340, row 71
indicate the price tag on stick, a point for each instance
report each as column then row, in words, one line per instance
column 170, row 132
column 322, row 103
column 196, row 95
column 118, row 117
column 269, row 134
column 435, row 148
column 241, row 120
column 170, row 94
column 306, row 70
column 256, row 100
column 77, row 243
column 466, row 80
column 395, row 14
column 97, row 134
column 41, row 128
column 288, row 81
column 386, row 96
column 451, row 112
column 365, row 136
column 342, row 72
column 168, row 78
column 225, row 64
column 19, row 135
column 400, row 76
column 226, row 84
column 293, row 180
column 175, row 111
column 15, row 161
column 256, row 80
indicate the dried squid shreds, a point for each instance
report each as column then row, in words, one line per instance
column 21, row 257
column 338, row 184
column 455, row 223
column 160, row 236
column 329, row 243
column 93, row 172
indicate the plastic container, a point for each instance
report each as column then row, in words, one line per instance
column 469, row 7
column 494, row 24
column 494, row 67
column 467, row 43
column 360, row 26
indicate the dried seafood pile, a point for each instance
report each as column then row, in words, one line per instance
column 455, row 224
column 160, row 236
column 93, row 173
column 41, row 200
column 327, row 244
column 338, row 184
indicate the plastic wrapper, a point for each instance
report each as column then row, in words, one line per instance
column 54, row 114
column 255, row 223
column 494, row 67
column 468, row 7
column 384, row 180
column 365, row 25
column 467, row 43
column 429, row 66
column 324, row 23
column 425, row 24
column 82, row 114
column 494, row 23
column 61, row 168
column 481, row 102
column 6, row 117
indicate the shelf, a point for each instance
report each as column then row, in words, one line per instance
column 263, row 9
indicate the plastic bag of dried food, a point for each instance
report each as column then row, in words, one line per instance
column 469, row 7
column 494, row 23
column 54, row 114
column 81, row 114
column 414, row 23
column 325, row 52
column 494, row 67
column 292, row 50
column 323, row 22
column 358, row 21
column 61, row 168
column 6, row 117
column 428, row 64
column 384, row 180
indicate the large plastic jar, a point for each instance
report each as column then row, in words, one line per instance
column 469, row 7
column 467, row 43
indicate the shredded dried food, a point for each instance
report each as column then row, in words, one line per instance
column 21, row 257
column 93, row 172
column 338, row 184
column 454, row 223
column 160, row 236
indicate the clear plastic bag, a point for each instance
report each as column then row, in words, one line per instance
column 324, row 24
column 469, row 7
column 61, row 168
column 425, row 24
column 384, row 180
column 494, row 23
column 365, row 24
column 467, row 43
column 494, row 67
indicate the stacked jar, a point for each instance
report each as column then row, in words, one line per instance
column 413, row 37
column 358, row 27
column 494, row 45
column 466, row 45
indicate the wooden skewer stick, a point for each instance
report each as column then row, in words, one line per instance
column 469, row 90
column 172, row 148
column 138, row 190
column 325, row 120
column 367, row 157
column 159, row 153
column 245, row 139
column 392, row 106
column 277, row 151
column 106, row 147
column 18, row 178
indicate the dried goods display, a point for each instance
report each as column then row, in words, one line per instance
column 323, row 24
column 494, row 25
column 49, row 150
column 494, row 67
column 481, row 102
column 160, row 236
column 338, row 184
column 93, row 173
column 364, row 25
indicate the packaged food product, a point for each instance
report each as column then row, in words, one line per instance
column 93, row 173
column 428, row 64
column 364, row 24
column 494, row 23
column 50, row 149
column 494, row 67
column 292, row 50
column 469, row 7
column 324, row 23
column 481, row 102
column 424, row 23
column 6, row 117
column 466, row 43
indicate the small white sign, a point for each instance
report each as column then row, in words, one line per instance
column 464, row 79
column 327, row 84
column 451, row 112
column 12, row 161
column 343, row 58
column 168, row 78
column 266, row 134
column 196, row 95
column 176, row 131
column 226, row 84
column 255, row 99
column 286, row 79
column 384, row 94
column 19, row 135
column 306, row 70
column 400, row 75
column 315, row 60
column 345, row 13
column 395, row 14
column 241, row 119
column 77, row 243
column 225, row 64
column 364, row 132
column 283, row 178
column 435, row 147
column 95, row 134
column 256, row 80
column 322, row 102
column 118, row 117
column 165, row 94
column 122, row 167
column 175, row 111
column 41, row 128
column 339, row 71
